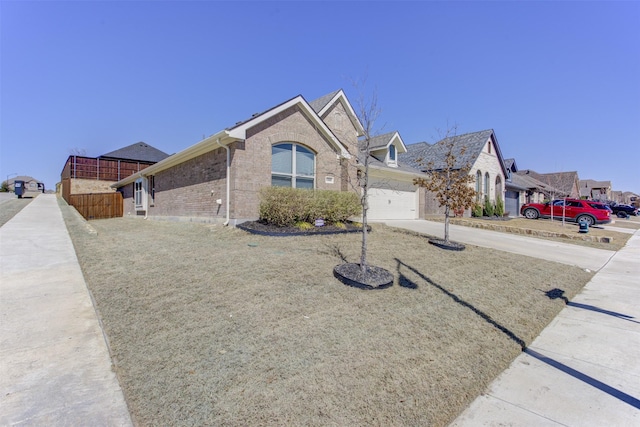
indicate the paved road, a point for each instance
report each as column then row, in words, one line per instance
column 566, row 253
column 5, row 197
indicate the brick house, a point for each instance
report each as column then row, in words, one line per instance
column 297, row 143
column 84, row 175
column 596, row 190
column 481, row 152
column 31, row 184
column 561, row 184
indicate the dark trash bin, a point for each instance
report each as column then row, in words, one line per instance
column 584, row 227
column 18, row 188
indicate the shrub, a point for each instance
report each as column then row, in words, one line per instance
column 303, row 225
column 283, row 206
column 476, row 210
column 488, row 206
column 499, row 206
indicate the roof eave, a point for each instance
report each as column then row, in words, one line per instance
column 198, row 149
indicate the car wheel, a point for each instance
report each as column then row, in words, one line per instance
column 586, row 218
column 621, row 215
column 531, row 213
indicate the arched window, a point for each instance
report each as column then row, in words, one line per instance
column 499, row 187
column 487, row 185
column 292, row 165
column 478, row 185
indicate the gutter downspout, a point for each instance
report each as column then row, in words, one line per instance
column 228, row 182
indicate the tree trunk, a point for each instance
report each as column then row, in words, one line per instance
column 446, row 224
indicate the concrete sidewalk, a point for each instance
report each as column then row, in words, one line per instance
column 565, row 253
column 584, row 368
column 55, row 368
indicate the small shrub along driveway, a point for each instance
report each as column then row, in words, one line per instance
column 215, row 326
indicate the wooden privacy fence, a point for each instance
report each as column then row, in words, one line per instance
column 98, row 205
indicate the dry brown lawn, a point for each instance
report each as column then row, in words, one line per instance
column 214, row 326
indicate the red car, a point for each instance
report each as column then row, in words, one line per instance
column 574, row 210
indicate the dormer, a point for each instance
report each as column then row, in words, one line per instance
column 385, row 148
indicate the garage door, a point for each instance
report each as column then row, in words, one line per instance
column 512, row 202
column 392, row 204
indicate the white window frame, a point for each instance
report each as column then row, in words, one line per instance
column 392, row 156
column 140, row 194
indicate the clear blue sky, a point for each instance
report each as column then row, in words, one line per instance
column 559, row 82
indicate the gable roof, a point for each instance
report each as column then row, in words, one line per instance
column 383, row 141
column 529, row 182
column 238, row 132
column 140, row 151
column 24, row 178
column 323, row 104
column 563, row 181
column 421, row 154
column 510, row 164
column 591, row 183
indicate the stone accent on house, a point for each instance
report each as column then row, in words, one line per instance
column 488, row 161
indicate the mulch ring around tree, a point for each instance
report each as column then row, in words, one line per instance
column 264, row 229
column 351, row 274
column 450, row 245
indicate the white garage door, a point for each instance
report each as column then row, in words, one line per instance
column 392, row 204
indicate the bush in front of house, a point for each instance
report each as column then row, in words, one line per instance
column 476, row 210
column 499, row 211
column 283, row 206
column 488, row 206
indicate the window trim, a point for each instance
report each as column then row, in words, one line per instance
column 487, row 184
column 392, row 155
column 294, row 175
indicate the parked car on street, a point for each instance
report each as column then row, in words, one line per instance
column 623, row 210
column 574, row 210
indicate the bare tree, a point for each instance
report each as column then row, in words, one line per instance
column 450, row 182
column 368, row 113
column 363, row 274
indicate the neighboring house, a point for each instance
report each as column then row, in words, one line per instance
column 296, row 144
column 522, row 188
column 84, row 175
column 564, row 184
column 481, row 152
column 30, row 184
column 595, row 190
column 616, row 196
column 630, row 198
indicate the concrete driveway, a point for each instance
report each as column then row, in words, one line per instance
column 565, row 253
